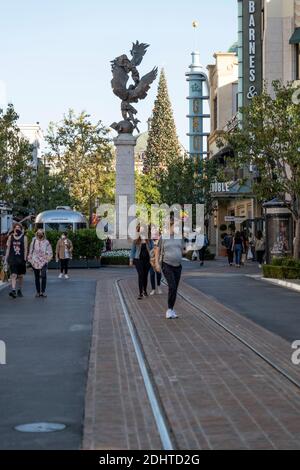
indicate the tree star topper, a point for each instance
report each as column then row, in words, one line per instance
column 121, row 68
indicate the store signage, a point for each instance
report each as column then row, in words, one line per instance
column 220, row 187
column 252, row 48
column 236, row 220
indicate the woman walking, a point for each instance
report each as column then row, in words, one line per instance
column 238, row 248
column 260, row 248
column 140, row 258
column 169, row 257
column 15, row 257
column 40, row 253
column 64, row 251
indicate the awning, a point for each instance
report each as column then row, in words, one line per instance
column 295, row 39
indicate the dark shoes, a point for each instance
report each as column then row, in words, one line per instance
column 19, row 293
column 13, row 294
column 41, row 295
column 140, row 297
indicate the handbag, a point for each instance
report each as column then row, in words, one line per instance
column 250, row 254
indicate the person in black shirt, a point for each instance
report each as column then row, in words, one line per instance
column 16, row 256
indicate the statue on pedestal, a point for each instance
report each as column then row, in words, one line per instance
column 121, row 68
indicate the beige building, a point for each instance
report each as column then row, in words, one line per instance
column 34, row 134
column 233, row 200
column 281, row 38
column 267, row 50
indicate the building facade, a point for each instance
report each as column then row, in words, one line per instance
column 267, row 50
column 34, row 134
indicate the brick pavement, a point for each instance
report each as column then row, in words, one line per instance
column 216, row 392
column 117, row 413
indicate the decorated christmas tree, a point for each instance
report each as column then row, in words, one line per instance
column 163, row 145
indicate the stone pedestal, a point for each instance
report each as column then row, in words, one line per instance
column 125, row 186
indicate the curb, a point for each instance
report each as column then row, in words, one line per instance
column 278, row 282
column 3, row 285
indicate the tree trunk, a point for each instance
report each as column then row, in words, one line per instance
column 297, row 239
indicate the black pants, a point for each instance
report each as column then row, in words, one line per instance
column 143, row 268
column 260, row 256
column 202, row 254
column 230, row 255
column 155, row 276
column 40, row 279
column 64, row 265
column 172, row 275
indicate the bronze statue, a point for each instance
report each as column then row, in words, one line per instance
column 121, row 68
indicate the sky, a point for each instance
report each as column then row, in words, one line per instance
column 55, row 55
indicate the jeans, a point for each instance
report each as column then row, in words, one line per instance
column 154, row 276
column 142, row 268
column 230, row 256
column 64, row 265
column 40, row 279
column 172, row 275
column 238, row 250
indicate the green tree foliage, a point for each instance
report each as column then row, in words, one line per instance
column 16, row 171
column 269, row 141
column 187, row 181
column 49, row 191
column 82, row 154
column 163, row 145
column 147, row 189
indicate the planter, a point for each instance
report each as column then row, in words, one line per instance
column 280, row 272
column 115, row 261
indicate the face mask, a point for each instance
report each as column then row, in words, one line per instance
column 18, row 232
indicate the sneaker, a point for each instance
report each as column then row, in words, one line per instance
column 13, row 294
column 37, row 295
column 174, row 315
column 169, row 314
column 66, row 276
column 159, row 291
column 60, row 276
column 43, row 295
column 140, row 297
column 19, row 293
column 260, row 266
column 152, row 292
column 145, row 294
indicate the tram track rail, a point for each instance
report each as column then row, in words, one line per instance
column 166, row 433
column 262, row 356
column 167, row 437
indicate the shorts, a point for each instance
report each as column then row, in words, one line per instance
column 18, row 269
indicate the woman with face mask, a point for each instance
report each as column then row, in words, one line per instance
column 64, row 251
column 15, row 257
column 40, row 253
column 140, row 258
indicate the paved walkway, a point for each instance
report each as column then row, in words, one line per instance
column 215, row 391
column 48, row 342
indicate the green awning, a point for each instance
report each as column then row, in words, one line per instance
column 295, row 39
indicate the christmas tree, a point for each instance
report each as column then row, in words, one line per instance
column 163, row 145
